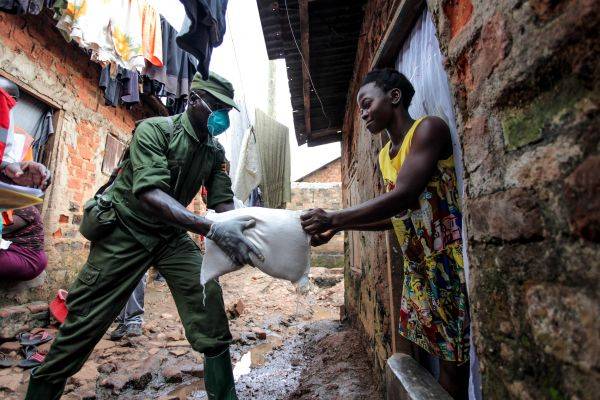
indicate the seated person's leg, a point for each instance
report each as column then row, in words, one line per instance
column 21, row 264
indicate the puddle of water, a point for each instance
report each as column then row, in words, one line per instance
column 255, row 357
column 194, row 390
column 242, row 367
column 323, row 313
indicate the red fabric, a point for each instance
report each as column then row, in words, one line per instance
column 7, row 217
column 58, row 306
column 6, row 104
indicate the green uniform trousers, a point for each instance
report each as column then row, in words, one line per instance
column 113, row 269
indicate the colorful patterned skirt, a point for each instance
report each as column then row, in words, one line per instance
column 434, row 312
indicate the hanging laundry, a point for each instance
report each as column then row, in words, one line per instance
column 152, row 35
column 126, row 30
column 274, row 148
column 178, row 66
column 6, row 130
column 203, row 29
column 87, row 23
column 255, row 199
column 44, row 129
column 111, row 29
column 248, row 174
column 25, row 6
column 122, row 88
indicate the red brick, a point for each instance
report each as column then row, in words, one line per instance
column 458, row 13
column 491, row 49
column 582, row 195
column 61, row 69
column 510, row 215
column 21, row 40
column 5, row 28
column 76, row 161
column 475, row 142
column 330, row 172
column 43, row 56
column 78, row 198
column 464, row 74
column 74, row 183
column 546, row 9
column 86, row 153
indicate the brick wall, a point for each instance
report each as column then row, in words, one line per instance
column 366, row 295
column 330, row 172
column 307, row 195
column 37, row 57
column 524, row 77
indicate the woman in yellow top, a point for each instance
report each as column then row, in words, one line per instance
column 422, row 207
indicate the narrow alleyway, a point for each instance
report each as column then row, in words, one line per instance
column 286, row 346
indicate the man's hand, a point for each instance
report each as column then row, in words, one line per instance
column 229, row 236
column 322, row 238
column 316, row 221
column 29, row 173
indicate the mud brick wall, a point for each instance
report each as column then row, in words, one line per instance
column 307, row 195
column 524, row 77
column 35, row 55
column 330, row 172
column 366, row 296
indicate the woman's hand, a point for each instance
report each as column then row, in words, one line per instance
column 322, row 238
column 316, row 221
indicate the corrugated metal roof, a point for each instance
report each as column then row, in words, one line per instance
column 334, row 28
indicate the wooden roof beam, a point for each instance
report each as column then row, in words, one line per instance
column 304, row 36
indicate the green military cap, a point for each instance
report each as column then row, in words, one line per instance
column 216, row 85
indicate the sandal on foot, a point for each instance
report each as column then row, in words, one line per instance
column 32, row 358
column 27, row 339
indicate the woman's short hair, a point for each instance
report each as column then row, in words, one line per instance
column 388, row 79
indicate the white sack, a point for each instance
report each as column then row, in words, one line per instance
column 277, row 234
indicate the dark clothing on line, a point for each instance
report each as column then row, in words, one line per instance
column 203, row 29
column 178, row 67
column 25, row 6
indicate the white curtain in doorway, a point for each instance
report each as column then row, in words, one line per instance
column 421, row 61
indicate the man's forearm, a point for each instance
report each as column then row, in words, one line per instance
column 170, row 211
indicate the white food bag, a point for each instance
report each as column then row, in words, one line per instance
column 277, row 234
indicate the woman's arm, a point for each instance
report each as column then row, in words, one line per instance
column 430, row 141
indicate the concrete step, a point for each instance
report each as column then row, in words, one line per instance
column 407, row 380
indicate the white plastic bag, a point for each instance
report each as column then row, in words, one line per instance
column 277, row 234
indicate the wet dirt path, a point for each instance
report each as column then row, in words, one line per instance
column 280, row 339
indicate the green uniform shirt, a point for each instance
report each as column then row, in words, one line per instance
column 171, row 159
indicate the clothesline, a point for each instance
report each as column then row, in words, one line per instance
column 140, row 52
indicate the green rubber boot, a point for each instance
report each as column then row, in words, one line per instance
column 218, row 377
column 42, row 390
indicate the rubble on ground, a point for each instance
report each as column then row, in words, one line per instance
column 268, row 318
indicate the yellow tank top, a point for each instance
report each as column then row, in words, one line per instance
column 435, row 222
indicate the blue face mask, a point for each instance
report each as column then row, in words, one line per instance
column 218, row 122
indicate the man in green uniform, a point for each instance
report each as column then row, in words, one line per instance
column 170, row 158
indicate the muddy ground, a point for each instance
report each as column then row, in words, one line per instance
column 286, row 346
